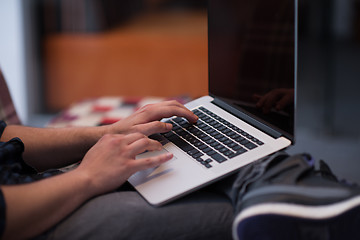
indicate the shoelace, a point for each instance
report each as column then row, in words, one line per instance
column 293, row 169
column 249, row 175
column 325, row 171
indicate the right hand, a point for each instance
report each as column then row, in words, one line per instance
column 111, row 161
column 147, row 119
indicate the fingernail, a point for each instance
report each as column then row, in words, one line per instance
column 169, row 126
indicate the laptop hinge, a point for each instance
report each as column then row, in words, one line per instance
column 247, row 118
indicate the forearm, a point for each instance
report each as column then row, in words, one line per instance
column 35, row 207
column 54, row 147
column 47, row 202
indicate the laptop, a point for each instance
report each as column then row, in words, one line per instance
column 250, row 110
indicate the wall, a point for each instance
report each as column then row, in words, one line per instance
column 12, row 53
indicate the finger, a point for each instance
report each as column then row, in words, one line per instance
column 154, row 127
column 168, row 109
column 145, row 163
column 172, row 103
column 260, row 101
column 163, row 104
column 133, row 137
column 142, row 145
column 256, row 97
column 181, row 112
column 271, row 100
column 285, row 101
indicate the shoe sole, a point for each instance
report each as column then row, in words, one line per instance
column 292, row 221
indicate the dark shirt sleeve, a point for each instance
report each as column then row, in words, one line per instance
column 2, row 127
column 13, row 170
column 2, row 214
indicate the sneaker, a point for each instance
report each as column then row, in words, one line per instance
column 286, row 198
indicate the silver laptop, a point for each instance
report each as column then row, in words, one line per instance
column 250, row 110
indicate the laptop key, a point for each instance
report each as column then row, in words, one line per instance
column 207, row 149
column 181, row 143
column 250, row 145
column 207, row 165
column 168, row 134
column 236, row 147
column 217, row 157
column 196, row 111
column 231, row 133
column 203, row 148
column 193, row 151
column 239, row 139
column 221, row 128
column 199, row 159
column 219, row 137
column 197, row 155
column 228, row 153
column 227, row 141
column 214, row 144
column 244, row 142
column 211, row 152
column 241, row 151
column 221, row 148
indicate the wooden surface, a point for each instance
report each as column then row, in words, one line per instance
column 155, row 55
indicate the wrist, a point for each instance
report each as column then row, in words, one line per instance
column 83, row 181
column 115, row 128
column 91, row 185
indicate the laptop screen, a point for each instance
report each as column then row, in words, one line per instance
column 252, row 58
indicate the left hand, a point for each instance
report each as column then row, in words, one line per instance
column 111, row 161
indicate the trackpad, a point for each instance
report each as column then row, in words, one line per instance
column 151, row 173
column 153, row 154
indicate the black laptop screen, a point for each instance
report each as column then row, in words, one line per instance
column 252, row 58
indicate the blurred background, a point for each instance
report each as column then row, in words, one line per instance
column 56, row 52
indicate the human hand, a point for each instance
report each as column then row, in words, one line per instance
column 111, row 161
column 277, row 98
column 147, row 119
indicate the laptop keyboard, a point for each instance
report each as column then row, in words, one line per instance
column 211, row 139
